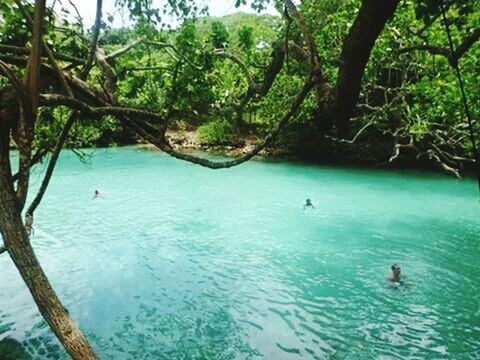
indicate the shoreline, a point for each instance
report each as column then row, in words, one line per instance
column 187, row 141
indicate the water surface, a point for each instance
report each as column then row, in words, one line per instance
column 182, row 262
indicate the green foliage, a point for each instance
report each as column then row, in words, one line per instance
column 198, row 87
column 217, row 133
column 219, row 35
column 245, row 38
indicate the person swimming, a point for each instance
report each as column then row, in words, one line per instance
column 308, row 203
column 97, row 194
column 395, row 276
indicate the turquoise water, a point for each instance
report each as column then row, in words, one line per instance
column 182, row 262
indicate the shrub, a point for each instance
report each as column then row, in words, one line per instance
column 217, row 133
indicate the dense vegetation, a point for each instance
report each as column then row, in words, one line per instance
column 409, row 108
column 370, row 80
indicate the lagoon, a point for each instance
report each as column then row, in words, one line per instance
column 181, row 262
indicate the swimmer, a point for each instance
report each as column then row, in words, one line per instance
column 308, row 203
column 395, row 276
column 97, row 194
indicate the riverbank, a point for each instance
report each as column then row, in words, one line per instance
column 368, row 157
column 189, row 141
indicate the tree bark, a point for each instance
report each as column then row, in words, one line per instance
column 20, row 250
column 369, row 23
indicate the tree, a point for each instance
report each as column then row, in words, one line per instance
column 219, row 35
column 87, row 83
column 245, row 37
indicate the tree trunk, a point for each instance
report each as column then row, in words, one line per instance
column 18, row 246
column 369, row 23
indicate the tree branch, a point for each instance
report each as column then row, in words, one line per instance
column 124, row 49
column 36, row 158
column 466, row 44
column 240, row 63
column 51, row 165
column 16, row 50
column 454, row 57
column 435, row 50
column 117, row 111
column 166, row 147
column 357, row 135
column 93, row 44
column 369, row 23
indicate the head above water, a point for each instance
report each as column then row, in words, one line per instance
column 396, row 269
column 308, row 202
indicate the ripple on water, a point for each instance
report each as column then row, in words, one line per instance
column 177, row 262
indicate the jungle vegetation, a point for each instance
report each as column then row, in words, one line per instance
column 369, row 80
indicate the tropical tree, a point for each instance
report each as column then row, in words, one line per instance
column 57, row 65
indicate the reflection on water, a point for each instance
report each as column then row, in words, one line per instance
column 183, row 262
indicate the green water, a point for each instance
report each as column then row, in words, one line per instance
column 181, row 262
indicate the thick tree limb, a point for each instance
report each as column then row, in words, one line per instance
column 13, row 231
column 454, row 57
column 466, row 44
column 28, row 113
column 48, row 52
column 85, row 109
column 166, row 147
column 369, row 23
column 21, row 252
column 152, row 134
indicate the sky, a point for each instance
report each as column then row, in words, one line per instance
column 87, row 9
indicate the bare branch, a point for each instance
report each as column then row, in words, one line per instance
column 160, row 45
column 124, row 49
column 93, row 44
column 435, row 50
column 294, row 14
column 234, row 58
column 143, row 68
column 12, row 77
column 51, row 165
column 79, row 17
column 24, row 136
column 466, row 44
column 357, row 135
column 36, row 158
column 442, row 164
